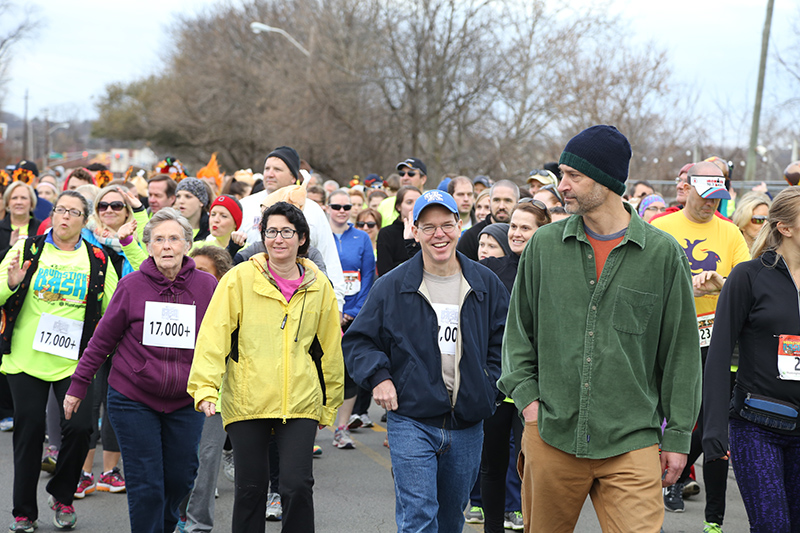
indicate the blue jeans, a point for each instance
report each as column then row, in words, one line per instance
column 160, row 455
column 434, row 470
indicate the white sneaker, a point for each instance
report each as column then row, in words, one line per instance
column 274, row 507
column 355, row 422
column 366, row 422
column 227, row 465
column 343, row 440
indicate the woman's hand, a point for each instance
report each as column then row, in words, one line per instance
column 408, row 223
column 239, row 237
column 14, row 238
column 71, row 404
column 16, row 273
column 127, row 229
column 133, row 198
column 707, row 282
column 208, row 408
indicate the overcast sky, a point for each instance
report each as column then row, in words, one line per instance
column 86, row 44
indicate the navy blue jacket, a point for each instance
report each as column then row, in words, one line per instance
column 395, row 336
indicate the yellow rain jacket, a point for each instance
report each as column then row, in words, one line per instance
column 285, row 358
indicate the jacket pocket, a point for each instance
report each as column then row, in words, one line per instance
column 632, row 310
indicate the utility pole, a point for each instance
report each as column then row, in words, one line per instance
column 25, row 129
column 46, row 139
column 750, row 169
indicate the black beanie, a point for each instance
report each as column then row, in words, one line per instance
column 289, row 156
column 602, row 153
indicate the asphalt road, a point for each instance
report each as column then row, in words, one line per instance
column 353, row 493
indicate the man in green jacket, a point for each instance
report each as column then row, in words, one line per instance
column 601, row 345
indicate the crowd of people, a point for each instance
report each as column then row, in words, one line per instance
column 531, row 346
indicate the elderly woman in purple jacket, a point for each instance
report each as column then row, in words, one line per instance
column 152, row 321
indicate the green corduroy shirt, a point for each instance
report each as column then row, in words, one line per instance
column 608, row 359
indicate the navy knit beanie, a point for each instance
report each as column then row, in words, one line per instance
column 289, row 156
column 602, row 153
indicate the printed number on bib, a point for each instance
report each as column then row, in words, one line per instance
column 447, row 315
column 705, row 325
column 58, row 336
column 169, row 325
column 789, row 357
column 352, row 282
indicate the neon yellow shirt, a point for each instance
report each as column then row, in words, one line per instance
column 716, row 245
column 58, row 287
column 387, row 211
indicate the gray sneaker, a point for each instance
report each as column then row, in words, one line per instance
column 65, row 517
column 366, row 422
column 513, row 521
column 227, row 465
column 474, row 515
column 23, row 523
column 343, row 440
column 274, row 508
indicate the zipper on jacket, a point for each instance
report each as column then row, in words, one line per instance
column 283, row 322
column 286, row 359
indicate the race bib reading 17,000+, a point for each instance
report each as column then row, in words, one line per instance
column 169, row 325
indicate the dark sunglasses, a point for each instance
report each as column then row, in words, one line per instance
column 115, row 206
column 758, row 219
column 410, row 173
column 552, row 190
column 339, row 207
column 370, row 225
column 536, row 203
column 539, row 172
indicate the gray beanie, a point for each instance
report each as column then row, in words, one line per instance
column 500, row 233
column 195, row 187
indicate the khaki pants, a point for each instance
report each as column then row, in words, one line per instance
column 625, row 490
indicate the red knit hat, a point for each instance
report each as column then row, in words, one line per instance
column 232, row 205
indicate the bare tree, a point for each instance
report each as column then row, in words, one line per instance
column 15, row 25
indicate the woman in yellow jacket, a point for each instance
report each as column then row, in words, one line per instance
column 272, row 342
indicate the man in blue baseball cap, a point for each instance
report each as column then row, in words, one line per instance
column 427, row 343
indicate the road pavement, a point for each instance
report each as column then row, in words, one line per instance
column 353, row 492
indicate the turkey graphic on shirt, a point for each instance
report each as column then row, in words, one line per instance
column 709, row 262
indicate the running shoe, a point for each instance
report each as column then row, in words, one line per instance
column 7, row 424
column 366, row 422
column 317, row 450
column 85, row 485
column 111, row 481
column 274, row 508
column 474, row 515
column 673, row 498
column 711, row 527
column 65, row 517
column 227, row 465
column 513, row 520
column 180, row 527
column 23, row 523
column 343, row 440
column 50, row 459
column 691, row 488
column 354, row 423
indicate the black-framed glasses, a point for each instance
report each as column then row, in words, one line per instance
column 362, row 223
column 409, row 173
column 536, row 203
column 447, row 227
column 115, row 206
column 339, row 207
column 286, row 233
column 63, row 211
column 758, row 219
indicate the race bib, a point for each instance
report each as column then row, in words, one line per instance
column 352, row 282
column 705, row 323
column 58, row 336
column 169, row 325
column 789, row 357
column 447, row 316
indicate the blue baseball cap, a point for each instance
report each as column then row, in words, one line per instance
column 435, row 197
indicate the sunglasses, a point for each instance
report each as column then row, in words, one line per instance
column 339, row 207
column 409, row 173
column 370, row 225
column 758, row 219
column 540, row 172
column 115, row 206
column 552, row 190
column 536, row 203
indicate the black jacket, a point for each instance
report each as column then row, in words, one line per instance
column 5, row 233
column 758, row 302
column 504, row 267
column 393, row 249
column 468, row 243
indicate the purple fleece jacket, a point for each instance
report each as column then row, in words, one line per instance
column 151, row 375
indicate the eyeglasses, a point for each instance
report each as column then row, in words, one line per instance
column 536, row 203
column 539, row 172
column 115, row 206
column 63, row 211
column 758, row 219
column 655, row 208
column 680, row 181
column 409, row 173
column 447, row 227
column 339, row 207
column 370, row 225
column 173, row 240
column 554, row 191
column 286, row 233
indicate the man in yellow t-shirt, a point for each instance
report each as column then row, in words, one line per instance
column 713, row 246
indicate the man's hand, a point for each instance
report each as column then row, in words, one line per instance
column 707, row 282
column 531, row 412
column 385, row 395
column 673, row 464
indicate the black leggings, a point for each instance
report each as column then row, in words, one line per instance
column 295, row 440
column 494, row 462
column 104, row 433
column 30, row 401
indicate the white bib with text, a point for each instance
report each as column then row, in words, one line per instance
column 447, row 316
column 58, row 336
column 169, row 325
